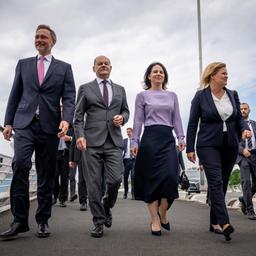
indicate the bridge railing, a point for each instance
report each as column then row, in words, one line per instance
column 6, row 178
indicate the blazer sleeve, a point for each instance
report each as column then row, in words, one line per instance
column 69, row 96
column 195, row 114
column 124, row 108
column 79, row 113
column 14, row 97
column 241, row 124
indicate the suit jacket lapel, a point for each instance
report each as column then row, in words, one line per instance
column 96, row 89
column 114, row 92
column 232, row 100
column 50, row 70
column 253, row 124
column 34, row 71
column 211, row 102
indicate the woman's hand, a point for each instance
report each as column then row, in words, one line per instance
column 134, row 151
column 181, row 146
column 191, row 157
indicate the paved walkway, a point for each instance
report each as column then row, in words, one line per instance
column 130, row 233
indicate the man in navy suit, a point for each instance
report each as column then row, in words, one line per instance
column 247, row 163
column 129, row 162
column 33, row 112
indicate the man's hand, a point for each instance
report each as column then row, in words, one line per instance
column 67, row 138
column 134, row 151
column 71, row 164
column 63, row 127
column 7, row 132
column 246, row 152
column 191, row 157
column 81, row 143
column 118, row 120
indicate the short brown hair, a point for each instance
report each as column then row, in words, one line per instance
column 53, row 35
column 209, row 71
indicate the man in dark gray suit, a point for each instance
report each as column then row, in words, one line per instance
column 247, row 163
column 33, row 111
column 129, row 161
column 100, row 112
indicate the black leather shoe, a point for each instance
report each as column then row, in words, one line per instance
column 73, row 198
column 227, row 232
column 155, row 232
column 215, row 230
column 43, row 230
column 242, row 205
column 165, row 226
column 63, row 204
column 125, row 197
column 108, row 220
column 83, row 207
column 14, row 230
column 97, row 231
column 251, row 216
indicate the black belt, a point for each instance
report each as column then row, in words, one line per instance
column 129, row 158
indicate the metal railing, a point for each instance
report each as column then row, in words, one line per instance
column 6, row 178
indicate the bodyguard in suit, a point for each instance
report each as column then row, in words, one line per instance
column 75, row 159
column 33, row 112
column 62, row 170
column 247, row 162
column 100, row 112
column 217, row 111
column 129, row 161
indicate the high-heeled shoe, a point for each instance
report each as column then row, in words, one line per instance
column 227, row 231
column 164, row 225
column 215, row 230
column 155, row 232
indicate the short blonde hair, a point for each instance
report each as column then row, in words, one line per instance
column 209, row 71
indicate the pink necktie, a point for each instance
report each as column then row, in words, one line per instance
column 105, row 92
column 40, row 70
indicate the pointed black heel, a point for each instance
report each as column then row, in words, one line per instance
column 155, row 232
column 165, row 226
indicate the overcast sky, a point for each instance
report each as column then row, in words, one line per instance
column 133, row 34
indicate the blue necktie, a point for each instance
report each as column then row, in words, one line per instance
column 249, row 141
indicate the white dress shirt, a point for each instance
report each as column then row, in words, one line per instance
column 224, row 107
column 47, row 62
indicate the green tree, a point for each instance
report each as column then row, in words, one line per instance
column 235, row 178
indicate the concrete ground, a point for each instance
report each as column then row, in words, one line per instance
column 130, row 233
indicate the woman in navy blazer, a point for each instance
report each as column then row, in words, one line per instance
column 217, row 111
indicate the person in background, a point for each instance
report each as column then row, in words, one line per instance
column 75, row 160
column 129, row 161
column 156, row 165
column 33, row 112
column 216, row 110
column 99, row 137
column 247, row 162
column 62, row 170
